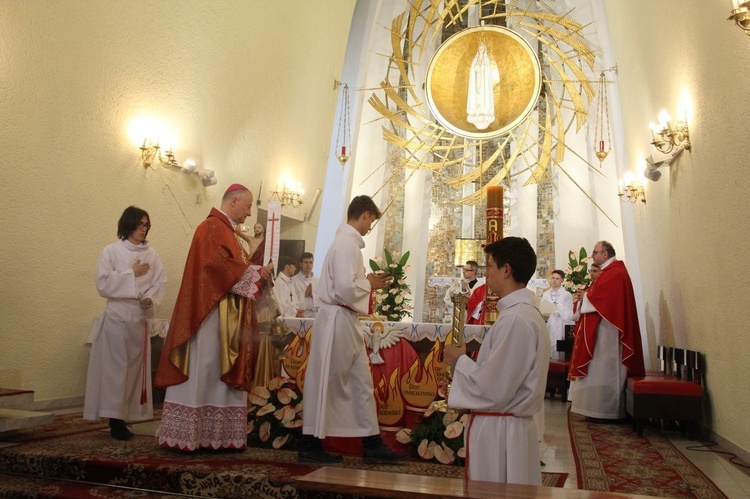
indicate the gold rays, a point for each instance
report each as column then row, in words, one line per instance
column 538, row 141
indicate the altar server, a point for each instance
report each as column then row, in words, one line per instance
column 339, row 395
column 505, row 387
column 306, row 286
column 207, row 360
column 562, row 301
column 130, row 276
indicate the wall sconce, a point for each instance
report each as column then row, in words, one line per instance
column 290, row 196
column 631, row 190
column 741, row 15
column 666, row 137
column 150, row 153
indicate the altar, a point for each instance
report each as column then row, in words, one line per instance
column 404, row 361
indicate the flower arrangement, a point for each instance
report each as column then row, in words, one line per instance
column 577, row 277
column 393, row 301
column 439, row 436
column 274, row 414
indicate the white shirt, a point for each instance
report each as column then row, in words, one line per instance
column 300, row 282
column 284, row 291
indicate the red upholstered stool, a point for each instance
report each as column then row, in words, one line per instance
column 557, row 378
column 666, row 397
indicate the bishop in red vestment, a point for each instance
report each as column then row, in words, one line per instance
column 207, row 360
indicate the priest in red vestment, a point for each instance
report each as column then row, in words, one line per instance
column 207, row 360
column 607, row 345
column 478, row 290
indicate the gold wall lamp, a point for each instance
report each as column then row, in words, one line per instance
column 741, row 15
column 667, row 137
column 631, row 190
column 151, row 153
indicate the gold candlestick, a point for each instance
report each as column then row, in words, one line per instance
column 458, row 321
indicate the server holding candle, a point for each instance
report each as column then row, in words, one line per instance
column 505, row 386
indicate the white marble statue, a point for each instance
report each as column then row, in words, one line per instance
column 480, row 103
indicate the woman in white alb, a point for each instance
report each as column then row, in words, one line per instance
column 130, row 276
column 563, row 313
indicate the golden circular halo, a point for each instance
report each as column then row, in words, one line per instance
column 517, row 80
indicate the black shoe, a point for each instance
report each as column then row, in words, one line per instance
column 119, row 430
column 382, row 454
column 318, row 455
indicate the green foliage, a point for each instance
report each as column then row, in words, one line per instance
column 577, row 277
column 393, row 301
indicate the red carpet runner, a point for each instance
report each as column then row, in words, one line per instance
column 73, row 449
column 612, row 458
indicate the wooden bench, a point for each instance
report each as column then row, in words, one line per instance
column 345, row 482
column 557, row 376
column 664, row 395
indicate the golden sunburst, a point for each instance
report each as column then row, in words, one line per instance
column 534, row 143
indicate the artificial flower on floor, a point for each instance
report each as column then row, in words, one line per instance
column 577, row 276
column 274, row 414
column 393, row 301
column 440, row 436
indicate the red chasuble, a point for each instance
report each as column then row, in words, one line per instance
column 612, row 295
column 477, row 297
column 216, row 262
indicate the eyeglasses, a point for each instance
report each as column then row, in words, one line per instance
column 595, row 252
column 142, row 225
column 469, row 270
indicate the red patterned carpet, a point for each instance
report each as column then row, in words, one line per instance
column 76, row 458
column 612, row 458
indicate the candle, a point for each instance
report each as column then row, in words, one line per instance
column 343, row 150
column 601, row 145
column 494, row 213
column 735, row 4
column 494, row 196
column 144, row 143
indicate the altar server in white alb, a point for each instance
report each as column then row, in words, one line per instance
column 505, row 387
column 130, row 276
column 338, row 391
column 562, row 301
column 306, row 286
column 283, row 288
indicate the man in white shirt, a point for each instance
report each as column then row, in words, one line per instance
column 283, row 288
column 306, row 285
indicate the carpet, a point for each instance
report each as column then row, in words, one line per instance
column 612, row 458
column 73, row 449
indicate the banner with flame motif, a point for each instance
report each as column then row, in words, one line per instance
column 405, row 380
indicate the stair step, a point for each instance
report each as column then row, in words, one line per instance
column 16, row 419
column 14, row 398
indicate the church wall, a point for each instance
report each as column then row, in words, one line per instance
column 244, row 88
column 686, row 57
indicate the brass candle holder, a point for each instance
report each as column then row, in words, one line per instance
column 281, row 337
column 460, row 298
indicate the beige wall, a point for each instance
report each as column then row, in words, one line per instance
column 692, row 235
column 246, row 88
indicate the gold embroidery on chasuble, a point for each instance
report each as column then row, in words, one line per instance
column 231, row 314
column 180, row 356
